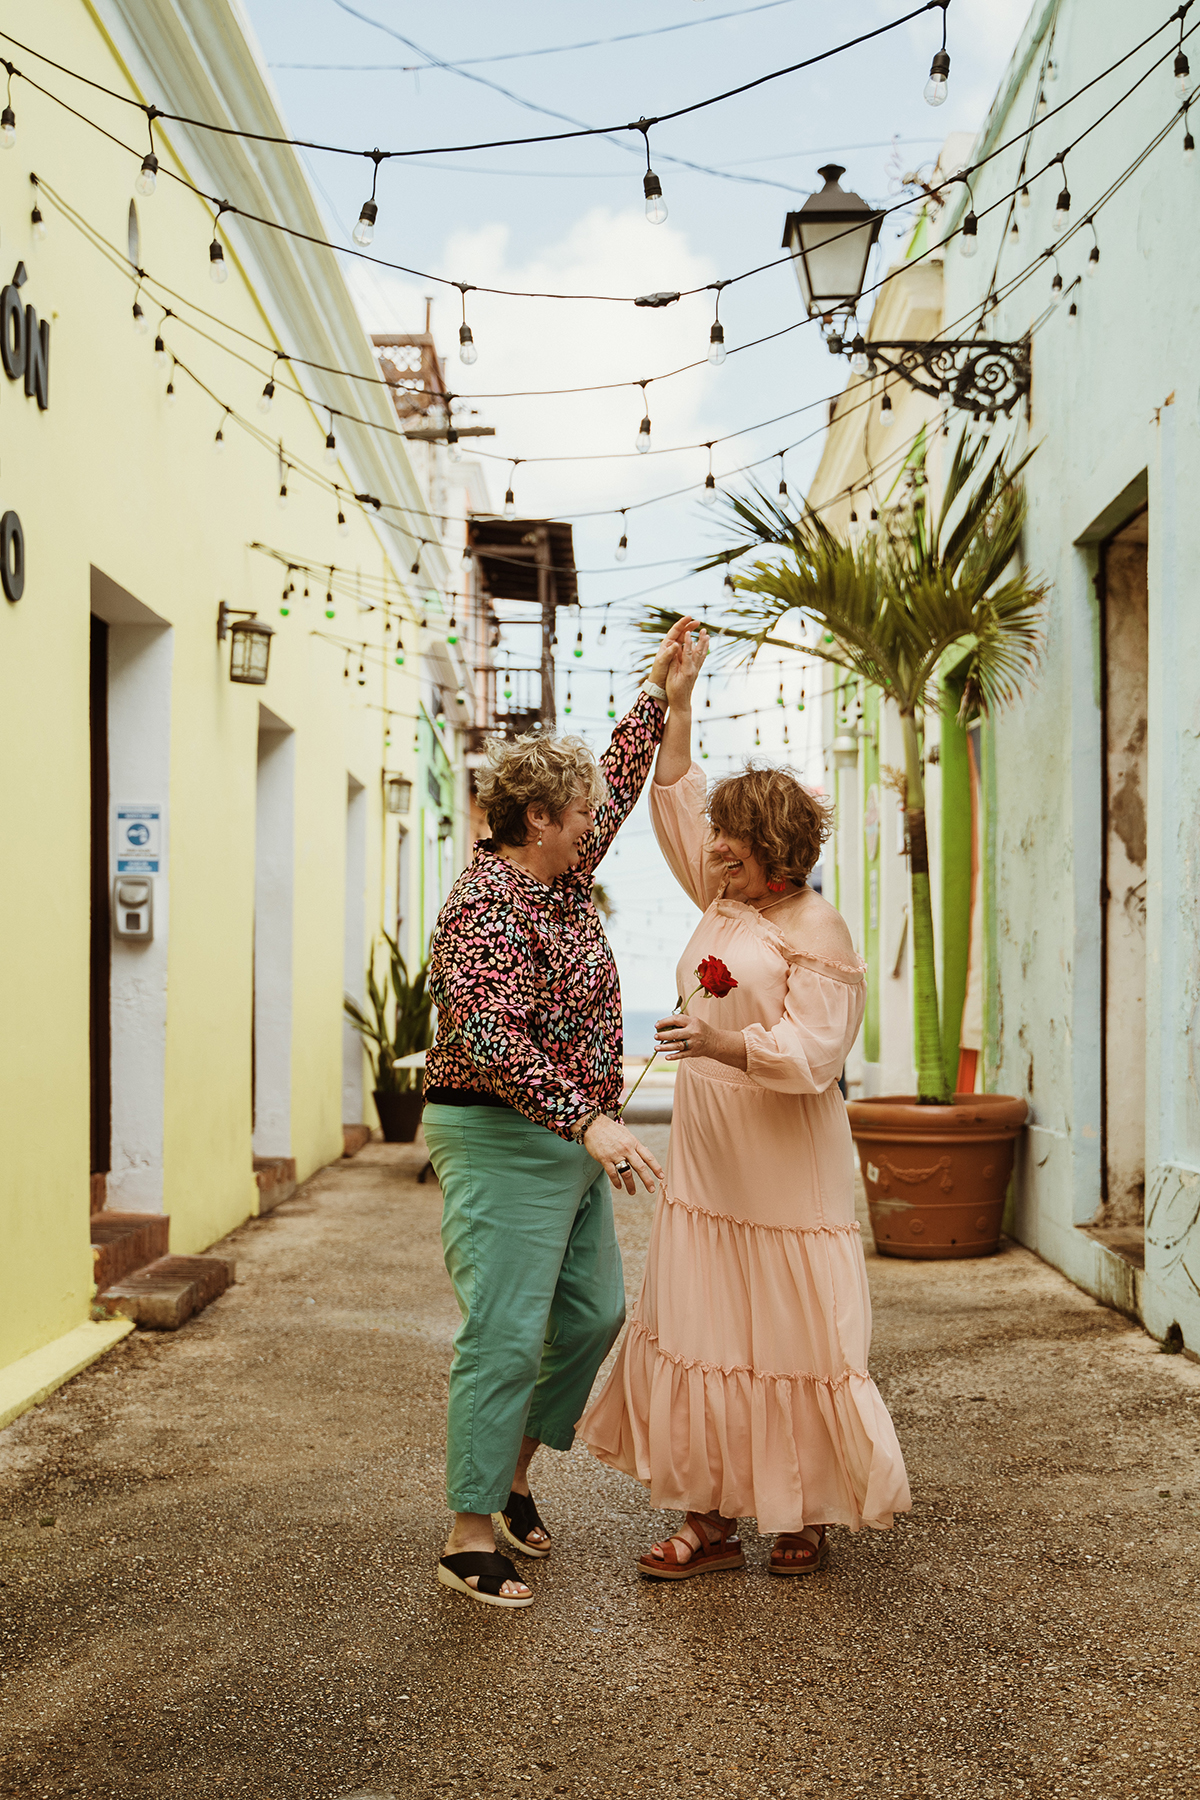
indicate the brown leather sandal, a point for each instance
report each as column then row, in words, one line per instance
column 806, row 1558
column 723, row 1552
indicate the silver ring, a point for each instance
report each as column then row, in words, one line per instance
column 624, row 1168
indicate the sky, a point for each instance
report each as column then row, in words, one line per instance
column 569, row 218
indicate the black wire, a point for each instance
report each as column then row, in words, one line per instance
column 263, row 137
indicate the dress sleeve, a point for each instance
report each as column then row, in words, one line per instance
column 484, row 982
column 681, row 827
column 626, row 764
column 806, row 1052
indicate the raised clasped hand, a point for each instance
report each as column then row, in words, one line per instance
column 682, row 1035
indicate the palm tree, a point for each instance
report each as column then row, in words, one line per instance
column 889, row 610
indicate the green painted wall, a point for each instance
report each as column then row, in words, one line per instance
column 955, row 875
column 871, row 864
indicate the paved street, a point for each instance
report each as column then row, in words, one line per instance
column 218, row 1553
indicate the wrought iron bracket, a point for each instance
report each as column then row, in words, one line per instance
column 982, row 376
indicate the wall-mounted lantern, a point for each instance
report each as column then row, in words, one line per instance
column 445, row 826
column 831, row 238
column 397, row 793
column 249, row 644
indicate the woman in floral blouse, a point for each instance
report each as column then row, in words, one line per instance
column 519, row 1089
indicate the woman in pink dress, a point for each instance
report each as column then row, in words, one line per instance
column 741, row 1387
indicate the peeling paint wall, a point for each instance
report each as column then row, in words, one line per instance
column 1116, row 423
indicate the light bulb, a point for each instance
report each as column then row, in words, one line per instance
column 343, row 527
column 782, row 488
column 1014, row 231
column 283, row 496
column 1189, row 148
column 854, row 530
column 266, row 397
column 218, row 268
column 656, row 206
column 708, row 492
column 859, row 363
column 939, row 71
column 453, row 453
column 1092, row 265
column 38, row 224
column 468, row 561
column 364, row 231
column 8, row 128
column 1062, row 212
column 622, row 549
column 716, row 344
column 1072, row 313
column 147, row 180
column 141, row 323
column 642, row 441
column 160, row 353
column 466, row 344
column 330, row 449
column 219, row 442
column 1182, row 71
column 170, row 394
column 510, row 505
column 1042, row 102
column 1025, row 195
column 886, row 414
column 1056, row 290
column 329, row 608
column 1051, row 72
column 969, row 242
column 461, row 696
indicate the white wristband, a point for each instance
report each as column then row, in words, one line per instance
column 655, row 692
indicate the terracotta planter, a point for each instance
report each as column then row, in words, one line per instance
column 399, row 1115
column 936, row 1176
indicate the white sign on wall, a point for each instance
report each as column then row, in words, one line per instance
column 137, row 838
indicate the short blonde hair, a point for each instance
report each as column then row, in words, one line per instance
column 782, row 821
column 535, row 771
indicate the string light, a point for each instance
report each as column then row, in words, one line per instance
column 656, row 206
column 329, row 610
column 141, row 323
column 567, row 704
column 1062, row 210
column 859, row 361
column 510, row 504
column 969, row 240
column 939, row 68
column 887, row 413
column 1182, row 67
column 268, row 394
column 8, row 118
column 331, row 450
column 147, row 178
column 37, row 223
column 468, row 561
column 1025, row 197
column 1072, row 313
column 452, row 632
column 716, row 337
column 642, row 441
column 467, row 353
column 219, row 440
column 364, row 232
column 1092, row 266
column 170, row 393
column 218, row 269
column 783, row 493
column 622, row 549
column 162, row 355
column 1189, row 142
column 612, row 699
column 708, row 493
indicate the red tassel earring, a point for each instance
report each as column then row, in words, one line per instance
column 776, row 887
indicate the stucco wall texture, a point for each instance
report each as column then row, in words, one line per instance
column 1114, row 419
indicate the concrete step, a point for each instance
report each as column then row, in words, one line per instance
column 276, row 1178
column 123, row 1241
column 169, row 1291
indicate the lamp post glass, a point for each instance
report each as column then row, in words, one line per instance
column 398, row 793
column 831, row 238
column 250, row 651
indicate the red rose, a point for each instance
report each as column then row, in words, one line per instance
column 715, row 978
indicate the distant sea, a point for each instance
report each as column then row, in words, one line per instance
column 639, row 1030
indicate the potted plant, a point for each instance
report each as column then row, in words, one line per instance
column 922, row 592
column 398, row 1098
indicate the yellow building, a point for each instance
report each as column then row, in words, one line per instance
column 139, row 491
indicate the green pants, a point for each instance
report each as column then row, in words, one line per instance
column 531, row 1249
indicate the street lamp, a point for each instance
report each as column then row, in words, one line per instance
column 397, row 791
column 830, row 239
column 249, row 644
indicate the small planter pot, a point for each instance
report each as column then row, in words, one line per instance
column 399, row 1115
column 936, row 1176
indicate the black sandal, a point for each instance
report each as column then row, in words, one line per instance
column 517, row 1520
column 493, row 1571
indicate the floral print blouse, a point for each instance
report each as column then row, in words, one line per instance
column 527, row 995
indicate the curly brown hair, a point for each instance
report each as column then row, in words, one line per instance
column 782, row 821
column 535, row 771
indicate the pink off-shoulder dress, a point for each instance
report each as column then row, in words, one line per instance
column 742, row 1383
